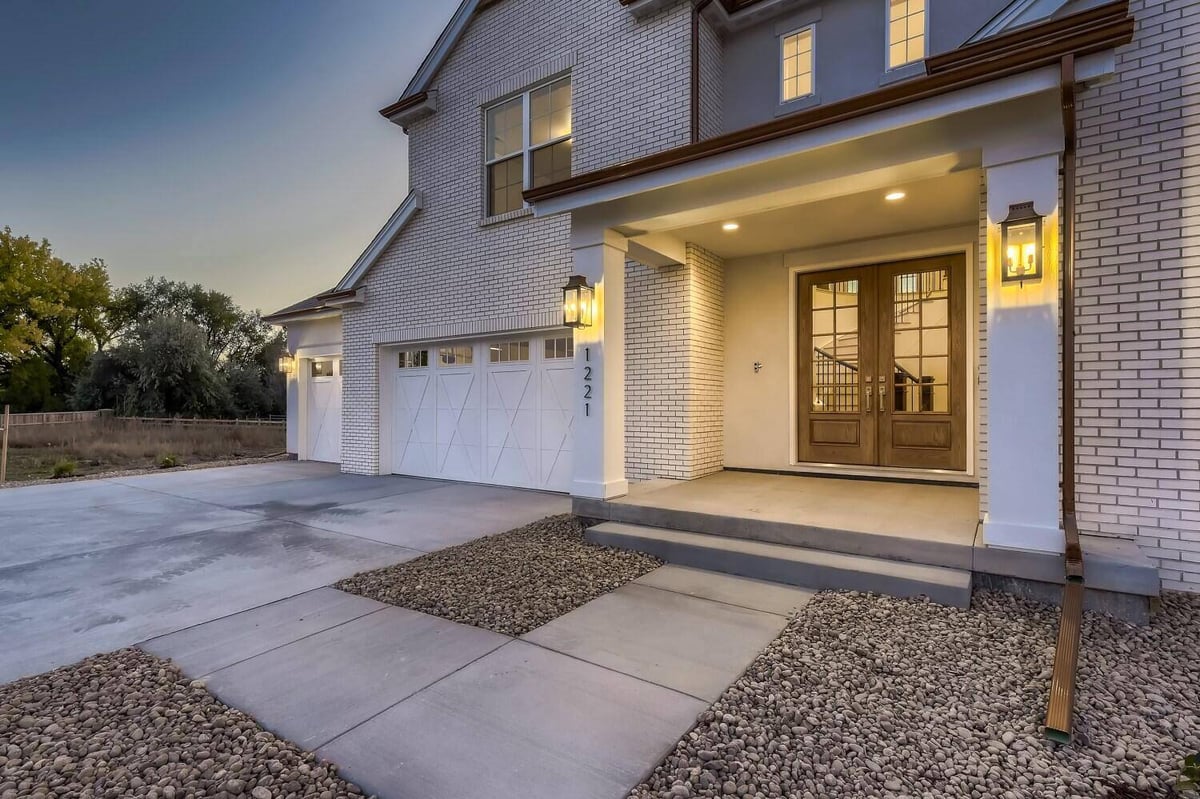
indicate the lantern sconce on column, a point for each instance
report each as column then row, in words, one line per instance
column 1021, row 244
column 287, row 363
column 578, row 302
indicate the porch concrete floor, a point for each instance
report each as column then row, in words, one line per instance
column 931, row 513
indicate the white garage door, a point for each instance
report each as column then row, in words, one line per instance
column 324, row 411
column 496, row 412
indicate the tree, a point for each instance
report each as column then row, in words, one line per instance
column 175, row 372
column 20, row 258
column 218, row 317
column 50, row 308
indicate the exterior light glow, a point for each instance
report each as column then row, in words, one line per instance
column 729, row 227
column 579, row 302
column 1021, row 244
column 894, row 196
column 287, row 363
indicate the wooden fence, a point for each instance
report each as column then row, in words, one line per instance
column 63, row 417
column 74, row 417
column 169, row 422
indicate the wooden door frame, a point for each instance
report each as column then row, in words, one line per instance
column 800, row 264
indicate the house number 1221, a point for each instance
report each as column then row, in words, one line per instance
column 587, row 382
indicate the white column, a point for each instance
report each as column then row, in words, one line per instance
column 1023, row 412
column 600, row 370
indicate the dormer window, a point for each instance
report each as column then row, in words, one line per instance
column 797, row 73
column 906, row 32
column 528, row 144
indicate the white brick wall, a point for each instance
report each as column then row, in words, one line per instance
column 1138, row 266
column 712, row 81
column 706, row 353
column 631, row 98
column 675, row 368
column 981, row 353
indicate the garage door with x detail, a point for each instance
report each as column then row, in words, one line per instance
column 512, row 427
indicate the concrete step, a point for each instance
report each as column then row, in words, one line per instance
column 854, row 535
column 810, row 568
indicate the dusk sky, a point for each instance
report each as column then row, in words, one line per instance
column 233, row 143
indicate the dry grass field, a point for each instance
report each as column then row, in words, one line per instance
column 111, row 444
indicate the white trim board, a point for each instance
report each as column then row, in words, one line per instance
column 399, row 219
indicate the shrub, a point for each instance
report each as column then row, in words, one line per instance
column 169, row 461
column 64, row 468
column 1189, row 782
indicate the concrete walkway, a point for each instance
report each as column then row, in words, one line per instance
column 415, row 707
column 93, row 566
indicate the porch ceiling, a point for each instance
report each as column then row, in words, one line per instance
column 942, row 202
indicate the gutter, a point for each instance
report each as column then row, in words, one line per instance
column 1060, row 709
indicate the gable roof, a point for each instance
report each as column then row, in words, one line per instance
column 415, row 93
column 348, row 291
column 1019, row 13
column 396, row 222
column 327, row 303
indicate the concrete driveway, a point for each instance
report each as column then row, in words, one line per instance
column 93, row 566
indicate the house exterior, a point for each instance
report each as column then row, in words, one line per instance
column 825, row 237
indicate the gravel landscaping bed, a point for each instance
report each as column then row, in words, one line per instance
column 128, row 724
column 510, row 583
column 874, row 697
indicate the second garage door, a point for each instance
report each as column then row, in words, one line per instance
column 497, row 412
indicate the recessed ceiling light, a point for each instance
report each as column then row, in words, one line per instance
column 894, row 196
column 729, row 227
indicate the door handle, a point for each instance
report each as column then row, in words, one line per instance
column 882, row 395
column 868, row 393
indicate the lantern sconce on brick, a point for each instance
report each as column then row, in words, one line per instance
column 1021, row 244
column 578, row 302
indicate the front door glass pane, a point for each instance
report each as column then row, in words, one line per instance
column 835, row 364
column 921, row 317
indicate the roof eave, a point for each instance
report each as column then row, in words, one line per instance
column 1030, row 48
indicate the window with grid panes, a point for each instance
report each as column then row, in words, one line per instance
column 797, row 65
column 528, row 144
column 906, row 32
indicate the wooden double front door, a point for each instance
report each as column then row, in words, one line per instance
column 882, row 372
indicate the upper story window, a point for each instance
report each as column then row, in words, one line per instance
column 528, row 144
column 797, row 75
column 906, row 32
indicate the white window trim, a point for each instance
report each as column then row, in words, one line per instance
column 887, row 40
column 812, row 29
column 527, row 149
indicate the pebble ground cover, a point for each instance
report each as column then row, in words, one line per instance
column 867, row 696
column 128, row 724
column 509, row 583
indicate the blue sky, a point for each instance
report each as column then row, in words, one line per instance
column 233, row 143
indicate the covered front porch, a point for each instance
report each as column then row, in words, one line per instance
column 835, row 303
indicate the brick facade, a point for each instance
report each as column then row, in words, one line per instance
column 448, row 265
column 1138, row 194
column 712, row 81
column 674, row 368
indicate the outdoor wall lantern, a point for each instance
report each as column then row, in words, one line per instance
column 287, row 363
column 1021, row 243
column 578, row 302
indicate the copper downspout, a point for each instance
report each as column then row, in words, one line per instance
column 1061, row 707
column 696, row 68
